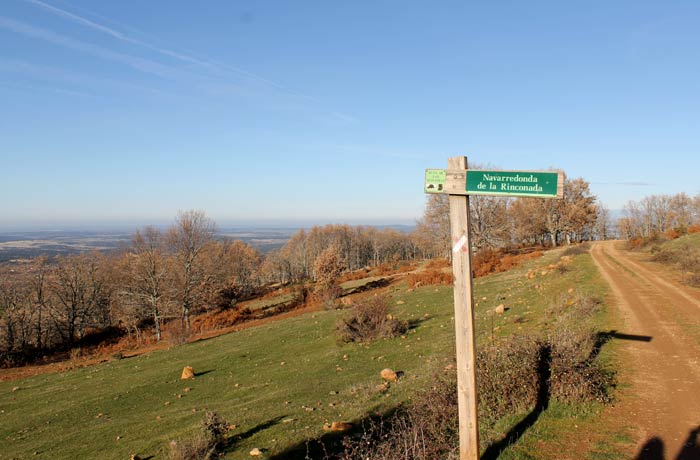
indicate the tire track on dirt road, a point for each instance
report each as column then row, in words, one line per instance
column 663, row 400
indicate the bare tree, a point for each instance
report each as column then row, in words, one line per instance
column 41, row 298
column 146, row 275
column 82, row 296
column 192, row 231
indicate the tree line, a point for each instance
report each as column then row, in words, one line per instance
column 505, row 222
column 657, row 214
column 166, row 276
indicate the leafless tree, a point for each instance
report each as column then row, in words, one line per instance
column 192, row 231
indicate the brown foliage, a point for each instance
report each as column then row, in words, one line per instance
column 438, row 263
column 355, row 275
column 426, row 430
column 369, row 320
column 489, row 261
column 429, row 278
column 204, row 445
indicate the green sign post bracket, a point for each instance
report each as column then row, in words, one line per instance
column 538, row 184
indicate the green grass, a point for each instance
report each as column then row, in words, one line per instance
column 269, row 302
column 692, row 240
column 81, row 413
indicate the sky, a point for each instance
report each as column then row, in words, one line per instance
column 275, row 113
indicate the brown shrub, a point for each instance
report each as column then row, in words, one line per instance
column 663, row 255
column 175, row 333
column 672, row 234
column 575, row 375
column 369, row 320
column 196, row 448
column 204, row 445
column 694, row 229
column 355, row 275
column 517, row 374
column 327, row 293
column 576, row 250
column 429, row 278
column 485, row 261
column 438, row 263
column 507, row 377
column 488, row 261
column 426, row 430
column 635, row 243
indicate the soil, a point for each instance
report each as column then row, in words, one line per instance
column 660, row 346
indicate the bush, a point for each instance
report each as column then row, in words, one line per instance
column 197, row 448
column 426, row 430
column 369, row 320
column 429, row 278
column 663, row 255
column 327, row 292
column 204, row 445
column 576, row 250
column 575, row 376
column 438, row 263
column 517, row 374
column 506, row 375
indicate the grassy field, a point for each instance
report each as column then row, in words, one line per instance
column 279, row 383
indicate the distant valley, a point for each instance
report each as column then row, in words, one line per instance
column 26, row 245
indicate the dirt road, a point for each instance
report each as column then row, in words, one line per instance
column 660, row 332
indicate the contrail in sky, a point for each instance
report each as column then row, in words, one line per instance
column 186, row 58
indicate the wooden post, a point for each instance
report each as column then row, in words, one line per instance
column 460, row 225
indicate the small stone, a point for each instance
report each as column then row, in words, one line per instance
column 282, row 363
column 500, row 309
column 389, row 375
column 166, row 403
column 400, row 302
column 255, row 452
column 187, row 373
column 15, row 389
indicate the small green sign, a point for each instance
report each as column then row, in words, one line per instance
column 514, row 183
column 435, row 180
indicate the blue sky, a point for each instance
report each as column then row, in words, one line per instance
column 281, row 112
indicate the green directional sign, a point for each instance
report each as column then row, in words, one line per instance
column 515, row 183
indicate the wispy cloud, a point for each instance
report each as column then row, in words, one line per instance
column 214, row 67
column 49, row 89
column 137, row 63
column 55, row 75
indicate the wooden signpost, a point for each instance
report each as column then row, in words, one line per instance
column 459, row 182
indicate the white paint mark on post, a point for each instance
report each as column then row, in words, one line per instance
column 460, row 244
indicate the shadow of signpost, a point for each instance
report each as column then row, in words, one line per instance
column 544, row 372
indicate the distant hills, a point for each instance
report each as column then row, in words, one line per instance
column 18, row 245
